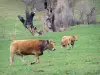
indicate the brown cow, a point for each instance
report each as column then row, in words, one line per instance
column 74, row 36
column 68, row 40
column 29, row 47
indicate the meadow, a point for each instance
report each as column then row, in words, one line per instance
column 83, row 59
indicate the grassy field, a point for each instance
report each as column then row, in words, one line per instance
column 83, row 59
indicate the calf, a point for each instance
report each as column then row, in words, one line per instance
column 68, row 40
column 29, row 47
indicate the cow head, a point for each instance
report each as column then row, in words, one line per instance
column 47, row 44
column 75, row 37
column 50, row 45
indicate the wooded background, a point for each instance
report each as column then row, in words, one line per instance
column 65, row 13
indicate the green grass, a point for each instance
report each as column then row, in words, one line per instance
column 83, row 59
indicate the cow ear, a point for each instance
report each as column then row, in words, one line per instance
column 48, row 41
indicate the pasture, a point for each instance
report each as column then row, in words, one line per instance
column 83, row 59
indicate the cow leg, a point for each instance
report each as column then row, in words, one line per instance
column 22, row 58
column 11, row 58
column 37, row 59
column 69, row 46
column 72, row 44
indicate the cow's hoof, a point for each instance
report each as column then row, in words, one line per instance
column 32, row 63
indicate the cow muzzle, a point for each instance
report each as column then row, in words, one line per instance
column 53, row 49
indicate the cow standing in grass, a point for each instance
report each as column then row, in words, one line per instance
column 29, row 47
column 68, row 41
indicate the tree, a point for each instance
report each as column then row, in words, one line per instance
column 60, row 14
